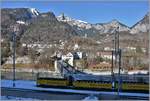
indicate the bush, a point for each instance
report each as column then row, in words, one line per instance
column 5, row 51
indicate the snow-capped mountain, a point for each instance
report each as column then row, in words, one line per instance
column 74, row 22
column 34, row 12
column 19, row 13
column 19, row 17
column 100, row 28
column 26, row 16
column 141, row 26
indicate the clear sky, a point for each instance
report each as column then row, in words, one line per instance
column 126, row 12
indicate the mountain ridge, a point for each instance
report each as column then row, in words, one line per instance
column 27, row 17
column 98, row 26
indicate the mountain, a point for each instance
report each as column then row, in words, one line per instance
column 85, row 28
column 111, row 27
column 19, row 13
column 11, row 17
column 81, row 27
column 141, row 26
column 32, row 24
column 47, row 29
column 74, row 22
column 103, row 33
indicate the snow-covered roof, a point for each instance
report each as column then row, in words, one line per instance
column 20, row 22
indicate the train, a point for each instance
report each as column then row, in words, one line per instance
column 126, row 86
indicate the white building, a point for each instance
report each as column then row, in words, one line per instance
column 105, row 54
column 108, row 49
column 80, row 54
column 76, row 46
column 2, row 40
column 131, row 48
column 143, row 50
column 23, row 60
column 69, row 57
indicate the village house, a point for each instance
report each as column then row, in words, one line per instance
column 69, row 58
column 108, row 49
column 105, row 54
column 101, row 66
column 76, row 59
column 80, row 60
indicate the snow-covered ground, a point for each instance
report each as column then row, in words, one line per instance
column 14, row 98
column 91, row 97
column 116, row 71
column 138, row 72
column 101, row 72
column 22, row 84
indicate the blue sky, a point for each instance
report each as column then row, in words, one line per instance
column 126, row 12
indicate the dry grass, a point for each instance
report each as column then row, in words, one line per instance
column 35, row 66
column 17, row 65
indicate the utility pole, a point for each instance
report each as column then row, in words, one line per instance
column 14, row 54
column 112, row 73
column 119, row 64
column 117, row 60
column 114, row 57
column 119, row 77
